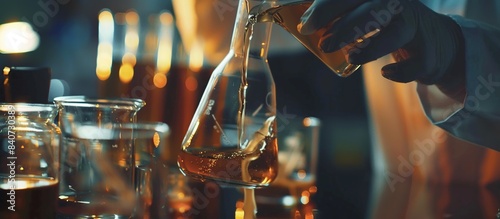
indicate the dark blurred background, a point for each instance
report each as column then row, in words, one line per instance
column 82, row 64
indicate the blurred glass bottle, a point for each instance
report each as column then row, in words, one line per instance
column 26, row 84
column 179, row 196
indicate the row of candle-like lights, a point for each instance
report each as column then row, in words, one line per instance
column 158, row 45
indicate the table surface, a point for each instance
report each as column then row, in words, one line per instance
column 405, row 200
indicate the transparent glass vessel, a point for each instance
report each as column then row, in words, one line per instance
column 29, row 147
column 232, row 136
column 97, row 157
column 287, row 14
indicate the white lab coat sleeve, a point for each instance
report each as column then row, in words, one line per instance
column 477, row 118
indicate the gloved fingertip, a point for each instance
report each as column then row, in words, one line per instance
column 328, row 43
column 392, row 73
column 306, row 26
column 388, row 71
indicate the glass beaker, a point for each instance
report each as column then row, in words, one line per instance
column 232, row 136
column 287, row 14
column 29, row 177
column 150, row 139
column 97, row 161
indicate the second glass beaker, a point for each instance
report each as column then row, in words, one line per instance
column 97, row 161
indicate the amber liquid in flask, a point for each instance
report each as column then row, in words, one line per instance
column 232, row 137
column 251, row 167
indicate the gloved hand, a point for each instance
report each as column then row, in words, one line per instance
column 427, row 46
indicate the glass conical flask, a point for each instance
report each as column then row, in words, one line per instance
column 232, row 136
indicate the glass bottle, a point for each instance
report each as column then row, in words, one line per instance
column 232, row 136
column 26, row 84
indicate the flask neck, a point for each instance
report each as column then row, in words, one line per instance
column 258, row 45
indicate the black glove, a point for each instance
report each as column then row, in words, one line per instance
column 427, row 46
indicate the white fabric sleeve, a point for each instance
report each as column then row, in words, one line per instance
column 477, row 118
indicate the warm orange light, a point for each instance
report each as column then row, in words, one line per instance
column 132, row 40
column 131, row 32
column 103, row 73
column 239, row 213
column 105, row 53
column 104, row 60
column 304, row 199
column 160, row 80
column 305, row 193
column 301, row 174
column 164, row 56
column 6, row 71
column 126, row 73
column 262, row 50
column 191, row 83
column 105, row 15
column 309, row 215
column 313, row 189
column 129, row 58
column 187, row 21
column 196, row 57
column 310, row 121
column 240, row 204
column 105, row 47
column 166, row 18
column 165, row 44
column 132, row 17
column 156, row 139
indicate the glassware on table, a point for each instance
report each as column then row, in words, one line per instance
column 149, row 140
column 97, row 163
column 298, row 156
column 180, row 196
column 29, row 177
column 232, row 136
